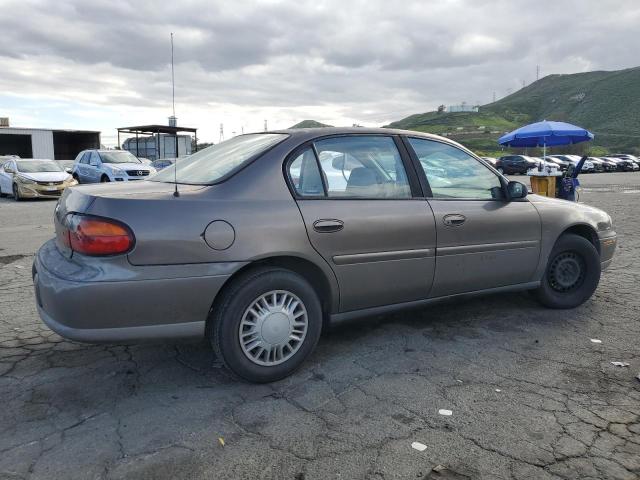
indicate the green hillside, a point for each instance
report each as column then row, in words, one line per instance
column 310, row 124
column 607, row 103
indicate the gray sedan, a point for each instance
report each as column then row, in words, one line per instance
column 266, row 238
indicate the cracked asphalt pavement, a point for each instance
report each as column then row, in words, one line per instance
column 532, row 396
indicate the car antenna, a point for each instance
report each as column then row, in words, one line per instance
column 173, row 104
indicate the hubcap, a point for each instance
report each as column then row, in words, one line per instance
column 566, row 272
column 273, row 328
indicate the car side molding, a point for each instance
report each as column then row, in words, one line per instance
column 384, row 309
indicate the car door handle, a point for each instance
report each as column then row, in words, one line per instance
column 328, row 225
column 454, row 219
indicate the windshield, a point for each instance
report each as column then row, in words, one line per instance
column 37, row 166
column 211, row 164
column 118, row 157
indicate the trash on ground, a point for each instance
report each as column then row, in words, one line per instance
column 638, row 377
column 595, row 340
column 620, row 364
column 459, row 381
column 19, row 266
column 421, row 447
column 445, row 412
column 498, row 390
column 221, row 440
column 439, row 468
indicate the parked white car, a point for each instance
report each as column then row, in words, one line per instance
column 95, row 166
column 33, row 178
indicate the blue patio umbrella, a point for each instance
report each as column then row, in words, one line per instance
column 546, row 134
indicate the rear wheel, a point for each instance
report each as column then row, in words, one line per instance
column 1, row 194
column 572, row 274
column 104, row 179
column 266, row 324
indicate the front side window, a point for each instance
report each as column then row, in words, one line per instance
column 362, row 166
column 452, row 173
column 213, row 163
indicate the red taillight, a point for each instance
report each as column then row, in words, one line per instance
column 98, row 236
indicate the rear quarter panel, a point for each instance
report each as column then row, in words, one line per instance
column 256, row 202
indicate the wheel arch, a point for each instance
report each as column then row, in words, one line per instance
column 327, row 293
column 585, row 231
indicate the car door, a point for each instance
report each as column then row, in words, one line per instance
column 77, row 166
column 484, row 240
column 5, row 178
column 81, row 167
column 364, row 215
column 93, row 168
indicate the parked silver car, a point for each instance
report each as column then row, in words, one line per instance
column 267, row 237
column 100, row 166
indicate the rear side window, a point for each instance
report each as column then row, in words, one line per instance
column 362, row 167
column 305, row 176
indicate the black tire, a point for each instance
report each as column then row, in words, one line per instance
column 1, row 194
column 223, row 325
column 76, row 178
column 572, row 273
column 16, row 193
column 104, row 179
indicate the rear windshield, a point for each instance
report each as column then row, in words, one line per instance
column 37, row 166
column 211, row 164
column 118, row 157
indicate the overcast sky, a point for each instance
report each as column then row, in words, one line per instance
column 101, row 64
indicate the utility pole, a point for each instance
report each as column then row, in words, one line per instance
column 221, row 139
column 173, row 82
column 265, row 125
column 537, row 72
column 523, row 84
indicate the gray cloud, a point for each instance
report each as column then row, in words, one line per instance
column 370, row 61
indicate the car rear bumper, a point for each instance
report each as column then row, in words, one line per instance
column 109, row 300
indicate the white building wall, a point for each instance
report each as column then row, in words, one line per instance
column 41, row 140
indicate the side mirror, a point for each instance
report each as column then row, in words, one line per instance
column 68, row 169
column 516, row 190
column 338, row 162
column 9, row 170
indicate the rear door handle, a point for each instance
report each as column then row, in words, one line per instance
column 328, row 225
column 454, row 219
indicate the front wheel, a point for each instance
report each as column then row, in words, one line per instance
column 16, row 193
column 104, row 179
column 572, row 273
column 266, row 324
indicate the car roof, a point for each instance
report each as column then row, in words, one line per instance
column 305, row 134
